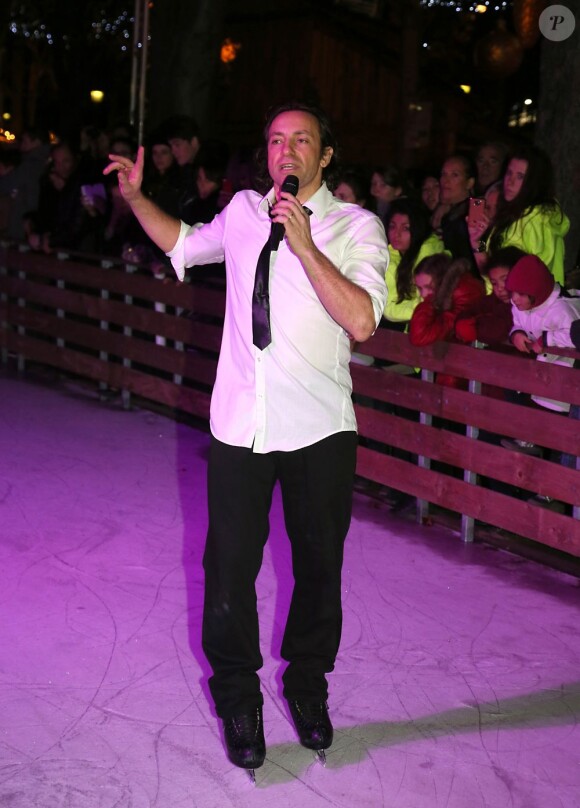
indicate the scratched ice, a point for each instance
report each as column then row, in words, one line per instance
column 457, row 685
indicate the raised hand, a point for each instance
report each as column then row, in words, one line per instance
column 130, row 174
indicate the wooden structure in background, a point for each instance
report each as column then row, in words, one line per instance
column 159, row 340
column 361, row 71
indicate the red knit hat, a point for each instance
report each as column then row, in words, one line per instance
column 530, row 276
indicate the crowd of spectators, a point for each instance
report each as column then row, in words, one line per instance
column 54, row 197
column 476, row 254
column 476, row 246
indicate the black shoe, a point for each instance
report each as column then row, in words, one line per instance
column 245, row 742
column 312, row 723
column 544, row 501
column 522, row 446
column 401, row 501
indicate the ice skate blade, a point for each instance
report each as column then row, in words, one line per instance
column 320, row 756
column 252, row 776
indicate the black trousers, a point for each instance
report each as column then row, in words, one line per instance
column 316, row 484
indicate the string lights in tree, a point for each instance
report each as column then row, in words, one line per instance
column 53, row 25
column 500, row 51
column 121, row 26
column 468, row 5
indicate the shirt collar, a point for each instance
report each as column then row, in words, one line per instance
column 318, row 203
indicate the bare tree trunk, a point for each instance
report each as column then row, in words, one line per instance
column 558, row 126
column 185, row 50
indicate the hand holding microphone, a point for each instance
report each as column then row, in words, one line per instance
column 289, row 186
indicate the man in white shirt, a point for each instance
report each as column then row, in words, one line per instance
column 281, row 413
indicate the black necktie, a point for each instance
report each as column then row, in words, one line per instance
column 261, row 296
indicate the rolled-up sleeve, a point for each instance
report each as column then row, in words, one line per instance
column 365, row 261
column 198, row 244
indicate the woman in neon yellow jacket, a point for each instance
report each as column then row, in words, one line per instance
column 410, row 240
column 528, row 215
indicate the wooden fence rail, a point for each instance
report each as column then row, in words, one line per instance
column 159, row 339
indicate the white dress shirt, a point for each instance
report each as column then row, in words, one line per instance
column 296, row 391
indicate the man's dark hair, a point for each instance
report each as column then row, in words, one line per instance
column 500, row 147
column 213, row 157
column 391, row 175
column 36, row 133
column 356, row 179
column 66, row 145
column 327, row 137
column 181, row 126
column 126, row 141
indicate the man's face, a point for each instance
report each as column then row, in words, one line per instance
column 122, row 148
column 430, row 192
column 162, row 157
column 63, row 162
column 488, row 162
column 28, row 143
column 382, row 190
column 184, row 150
column 294, row 147
column 344, row 192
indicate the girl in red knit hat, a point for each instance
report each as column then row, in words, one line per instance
column 542, row 316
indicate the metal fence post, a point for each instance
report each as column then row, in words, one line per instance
column 127, row 332
column 576, row 508
column 4, row 321
column 21, row 302
column 423, row 462
column 161, row 308
column 468, row 522
column 179, row 346
column 571, row 461
column 104, row 325
column 60, row 284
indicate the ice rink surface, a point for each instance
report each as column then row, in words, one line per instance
column 457, row 684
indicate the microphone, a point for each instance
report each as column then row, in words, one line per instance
column 289, row 186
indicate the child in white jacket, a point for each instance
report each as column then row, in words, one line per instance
column 542, row 316
column 542, row 319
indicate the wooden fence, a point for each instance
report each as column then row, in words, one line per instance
column 159, row 340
